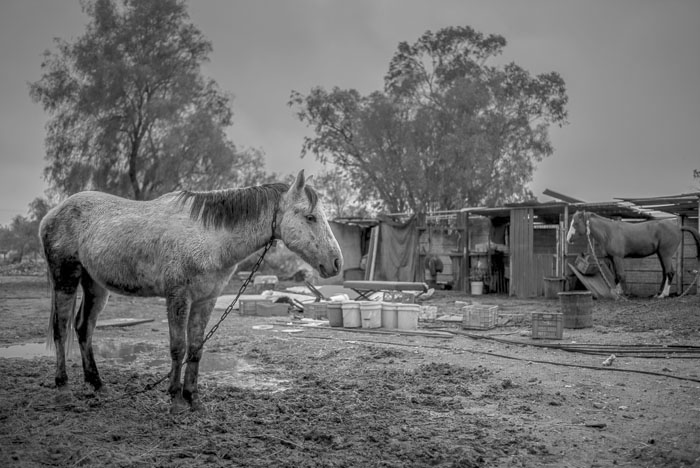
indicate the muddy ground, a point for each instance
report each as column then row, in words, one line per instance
column 329, row 397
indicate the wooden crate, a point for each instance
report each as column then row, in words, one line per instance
column 547, row 326
column 586, row 265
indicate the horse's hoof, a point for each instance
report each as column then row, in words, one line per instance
column 198, row 407
column 179, row 406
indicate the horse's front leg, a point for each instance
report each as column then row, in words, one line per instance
column 196, row 326
column 178, row 304
column 620, row 276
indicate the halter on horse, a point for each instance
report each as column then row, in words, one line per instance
column 184, row 247
column 618, row 240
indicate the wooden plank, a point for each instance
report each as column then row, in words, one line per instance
column 595, row 283
column 121, row 322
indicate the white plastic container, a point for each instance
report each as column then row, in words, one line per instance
column 371, row 314
column 407, row 316
column 389, row 315
column 351, row 314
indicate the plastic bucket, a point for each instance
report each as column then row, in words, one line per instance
column 407, row 316
column 371, row 314
column 334, row 311
column 351, row 314
column 389, row 315
column 577, row 308
column 477, row 288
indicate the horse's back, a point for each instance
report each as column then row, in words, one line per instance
column 124, row 244
column 83, row 212
column 650, row 237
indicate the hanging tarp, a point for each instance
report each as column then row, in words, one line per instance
column 395, row 258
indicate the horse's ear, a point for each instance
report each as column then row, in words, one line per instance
column 299, row 183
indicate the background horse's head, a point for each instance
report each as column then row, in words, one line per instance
column 578, row 226
column 304, row 229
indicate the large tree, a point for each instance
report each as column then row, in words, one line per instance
column 131, row 113
column 448, row 130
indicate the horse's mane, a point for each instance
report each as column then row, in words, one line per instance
column 228, row 208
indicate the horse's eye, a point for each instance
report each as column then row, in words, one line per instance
column 311, row 218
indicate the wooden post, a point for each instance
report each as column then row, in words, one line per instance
column 463, row 247
column 680, row 261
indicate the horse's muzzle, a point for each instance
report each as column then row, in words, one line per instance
column 333, row 271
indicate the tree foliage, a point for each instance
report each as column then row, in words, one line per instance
column 21, row 236
column 340, row 198
column 448, row 130
column 131, row 113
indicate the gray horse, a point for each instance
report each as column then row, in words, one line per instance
column 182, row 246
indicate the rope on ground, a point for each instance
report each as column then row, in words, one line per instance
column 505, row 356
column 630, row 350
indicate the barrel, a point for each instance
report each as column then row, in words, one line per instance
column 577, row 308
column 553, row 286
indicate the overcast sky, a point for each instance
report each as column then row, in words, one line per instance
column 631, row 67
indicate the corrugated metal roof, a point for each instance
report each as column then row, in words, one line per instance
column 685, row 204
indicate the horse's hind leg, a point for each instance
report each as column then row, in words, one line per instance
column 94, row 299
column 64, row 278
column 668, row 272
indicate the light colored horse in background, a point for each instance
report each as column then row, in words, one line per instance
column 182, row 246
column 618, row 240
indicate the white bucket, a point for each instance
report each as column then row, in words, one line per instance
column 477, row 288
column 389, row 316
column 351, row 314
column 371, row 313
column 407, row 316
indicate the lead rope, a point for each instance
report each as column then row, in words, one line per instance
column 597, row 262
column 210, row 333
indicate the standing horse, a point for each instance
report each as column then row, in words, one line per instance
column 618, row 240
column 182, row 246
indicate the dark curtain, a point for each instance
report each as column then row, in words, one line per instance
column 396, row 252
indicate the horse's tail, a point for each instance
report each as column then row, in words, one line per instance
column 696, row 236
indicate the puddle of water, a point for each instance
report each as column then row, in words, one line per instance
column 220, row 368
column 28, row 351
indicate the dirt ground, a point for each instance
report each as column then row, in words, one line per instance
column 336, row 398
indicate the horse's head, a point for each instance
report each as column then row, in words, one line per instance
column 304, row 228
column 578, row 226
